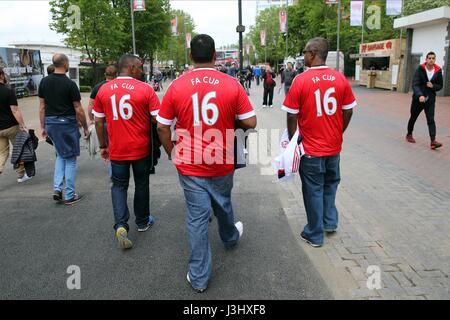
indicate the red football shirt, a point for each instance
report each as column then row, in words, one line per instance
column 128, row 105
column 318, row 96
column 205, row 103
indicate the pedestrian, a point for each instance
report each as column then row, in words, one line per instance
column 320, row 102
column 233, row 70
column 110, row 74
column 426, row 82
column 128, row 106
column 269, row 84
column 287, row 76
column 11, row 123
column 249, row 77
column 206, row 180
column 50, row 69
column 60, row 111
column 257, row 73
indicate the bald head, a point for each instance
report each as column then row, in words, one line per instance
column 59, row 60
column 319, row 46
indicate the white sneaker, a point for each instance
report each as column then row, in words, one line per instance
column 264, row 106
column 271, row 106
column 240, row 228
column 24, row 178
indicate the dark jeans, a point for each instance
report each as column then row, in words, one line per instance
column 268, row 92
column 320, row 178
column 416, row 109
column 120, row 181
column 257, row 80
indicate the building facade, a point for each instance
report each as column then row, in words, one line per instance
column 427, row 31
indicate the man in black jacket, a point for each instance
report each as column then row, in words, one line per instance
column 426, row 82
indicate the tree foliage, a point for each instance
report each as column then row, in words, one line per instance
column 174, row 47
column 415, row 6
column 99, row 34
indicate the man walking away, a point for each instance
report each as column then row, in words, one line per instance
column 320, row 102
column 11, row 122
column 60, row 111
column 128, row 106
column 205, row 103
column 426, row 82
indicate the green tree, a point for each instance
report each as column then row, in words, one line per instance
column 152, row 27
column 274, row 50
column 99, row 32
column 415, row 6
column 174, row 47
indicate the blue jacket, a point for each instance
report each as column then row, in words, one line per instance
column 65, row 135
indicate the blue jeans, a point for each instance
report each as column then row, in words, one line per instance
column 320, row 178
column 119, row 192
column 203, row 194
column 65, row 169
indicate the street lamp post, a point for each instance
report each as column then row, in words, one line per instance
column 240, row 28
column 132, row 27
column 338, row 35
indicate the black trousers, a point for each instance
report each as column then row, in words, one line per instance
column 268, row 92
column 416, row 109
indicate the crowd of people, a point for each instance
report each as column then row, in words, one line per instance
column 205, row 102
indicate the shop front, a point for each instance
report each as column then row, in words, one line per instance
column 381, row 64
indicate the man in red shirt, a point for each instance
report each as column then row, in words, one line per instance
column 205, row 103
column 129, row 106
column 320, row 102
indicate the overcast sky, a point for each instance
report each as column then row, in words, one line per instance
column 28, row 20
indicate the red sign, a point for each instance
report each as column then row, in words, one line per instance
column 174, row 23
column 283, row 21
column 376, row 46
column 188, row 40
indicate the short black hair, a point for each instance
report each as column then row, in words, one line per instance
column 126, row 60
column 202, row 48
column 111, row 71
column 320, row 47
column 431, row 53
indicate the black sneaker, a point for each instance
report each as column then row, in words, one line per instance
column 57, row 195
column 308, row 241
column 195, row 289
column 330, row 231
column 74, row 200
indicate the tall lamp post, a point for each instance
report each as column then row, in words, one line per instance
column 132, row 26
column 240, row 29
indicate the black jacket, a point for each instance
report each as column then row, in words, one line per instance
column 24, row 150
column 420, row 80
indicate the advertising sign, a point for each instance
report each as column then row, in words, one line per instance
column 23, row 69
column 283, row 21
column 139, row 5
column 263, row 37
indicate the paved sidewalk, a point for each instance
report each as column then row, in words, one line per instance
column 394, row 204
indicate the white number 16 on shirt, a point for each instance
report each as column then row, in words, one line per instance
column 327, row 100
column 206, row 105
column 123, row 105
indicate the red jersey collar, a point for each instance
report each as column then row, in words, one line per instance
column 436, row 67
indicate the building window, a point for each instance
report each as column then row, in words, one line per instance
column 376, row 63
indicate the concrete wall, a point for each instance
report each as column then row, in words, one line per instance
column 430, row 38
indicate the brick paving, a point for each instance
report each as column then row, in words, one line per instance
column 393, row 201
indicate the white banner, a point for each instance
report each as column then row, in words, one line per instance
column 247, row 49
column 262, row 35
column 138, row 5
column 356, row 13
column 283, row 21
column 188, row 40
column 394, row 7
column 174, row 24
